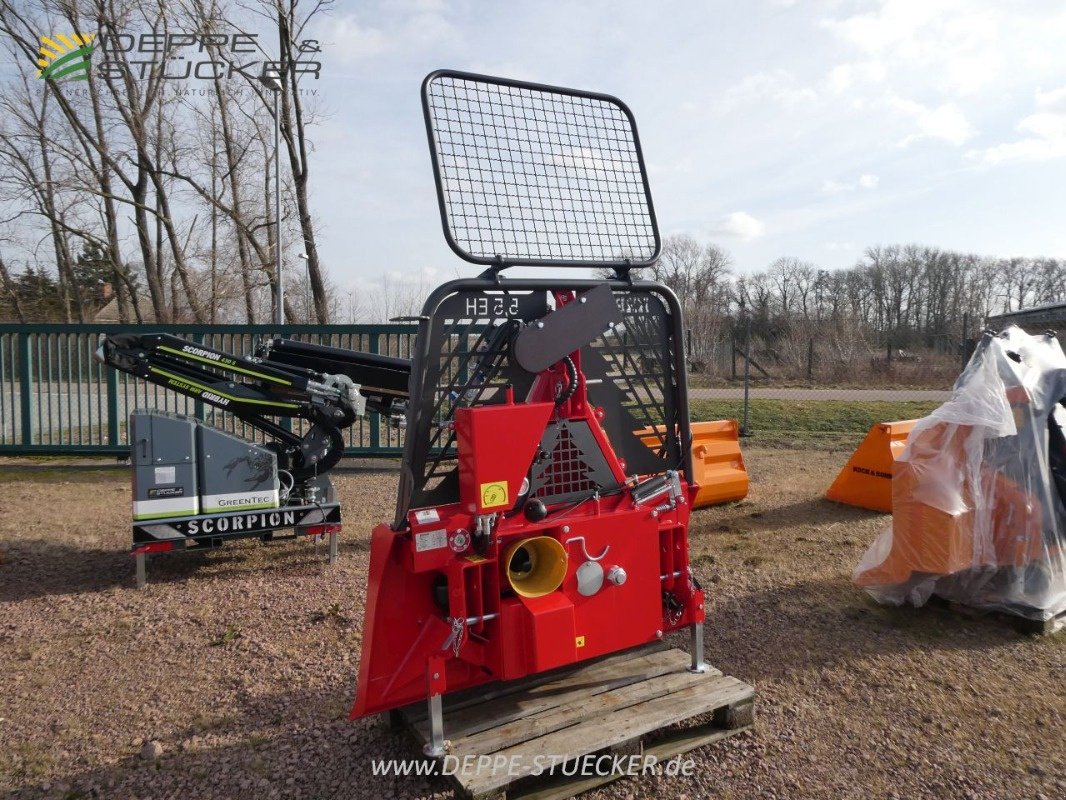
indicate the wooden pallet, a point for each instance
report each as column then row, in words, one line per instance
column 630, row 704
column 1036, row 627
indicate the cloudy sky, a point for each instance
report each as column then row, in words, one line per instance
column 808, row 128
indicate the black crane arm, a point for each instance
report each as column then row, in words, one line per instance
column 258, row 388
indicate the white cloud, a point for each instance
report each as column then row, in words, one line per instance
column 776, row 86
column 356, row 41
column 865, row 181
column 738, row 225
column 843, row 77
column 922, row 58
column 956, row 47
column 954, row 43
column 1044, row 132
column 418, row 6
column 946, row 123
column 405, row 27
column 1055, row 100
column 893, row 25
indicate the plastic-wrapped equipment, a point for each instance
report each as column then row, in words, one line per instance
column 978, row 513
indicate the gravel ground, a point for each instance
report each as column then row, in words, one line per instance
column 234, row 670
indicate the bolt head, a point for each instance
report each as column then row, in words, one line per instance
column 658, row 634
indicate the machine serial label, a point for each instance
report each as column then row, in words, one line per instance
column 431, row 540
column 487, row 307
column 167, row 491
column 166, row 474
column 632, row 304
column 494, row 494
column 424, row 515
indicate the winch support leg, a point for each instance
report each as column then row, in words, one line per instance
column 141, row 572
column 696, row 647
column 333, row 548
column 436, row 685
column 435, row 745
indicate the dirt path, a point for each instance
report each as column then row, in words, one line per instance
column 242, row 662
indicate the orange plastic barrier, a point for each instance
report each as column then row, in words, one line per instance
column 866, row 480
column 717, row 463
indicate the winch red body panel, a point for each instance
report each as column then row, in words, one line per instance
column 499, row 444
column 442, row 615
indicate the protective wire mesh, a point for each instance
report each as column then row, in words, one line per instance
column 466, row 362
column 531, row 175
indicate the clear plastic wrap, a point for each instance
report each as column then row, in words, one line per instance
column 977, row 494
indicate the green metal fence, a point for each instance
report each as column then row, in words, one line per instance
column 55, row 398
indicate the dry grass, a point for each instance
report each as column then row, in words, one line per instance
column 854, row 700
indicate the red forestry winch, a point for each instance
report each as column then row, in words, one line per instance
column 542, row 515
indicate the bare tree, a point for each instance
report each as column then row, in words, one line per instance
column 9, row 292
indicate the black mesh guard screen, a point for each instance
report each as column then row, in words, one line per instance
column 462, row 358
column 537, row 175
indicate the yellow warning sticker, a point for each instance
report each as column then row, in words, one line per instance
column 580, row 641
column 494, row 494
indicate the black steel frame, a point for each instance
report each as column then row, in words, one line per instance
column 419, row 450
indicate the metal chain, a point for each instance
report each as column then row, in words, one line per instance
column 458, row 634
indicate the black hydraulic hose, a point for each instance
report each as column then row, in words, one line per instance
column 571, row 386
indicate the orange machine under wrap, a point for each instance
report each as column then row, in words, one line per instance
column 977, row 515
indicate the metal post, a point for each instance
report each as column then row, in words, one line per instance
column 696, row 646
column 744, row 430
column 435, row 746
column 142, row 578
column 279, row 313
column 375, row 419
column 25, row 400
column 333, row 547
column 112, row 407
column 965, row 339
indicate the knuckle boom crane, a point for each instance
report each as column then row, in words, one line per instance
column 195, row 485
